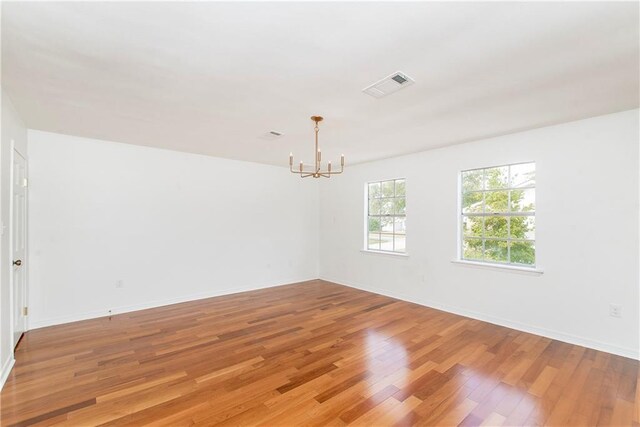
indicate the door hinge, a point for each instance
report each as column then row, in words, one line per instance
column 25, row 311
column 25, row 182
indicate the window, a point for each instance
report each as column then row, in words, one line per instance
column 386, row 216
column 498, row 215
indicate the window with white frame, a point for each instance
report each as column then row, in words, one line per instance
column 386, row 216
column 498, row 213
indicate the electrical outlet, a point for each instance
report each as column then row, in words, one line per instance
column 120, row 283
column 615, row 310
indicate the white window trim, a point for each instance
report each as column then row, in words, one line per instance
column 536, row 271
column 365, row 240
column 395, row 254
column 493, row 265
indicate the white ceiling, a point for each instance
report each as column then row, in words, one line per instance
column 212, row 78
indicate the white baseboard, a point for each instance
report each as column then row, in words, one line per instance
column 556, row 335
column 6, row 370
column 153, row 304
column 553, row 334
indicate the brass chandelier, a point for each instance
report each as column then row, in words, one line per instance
column 317, row 170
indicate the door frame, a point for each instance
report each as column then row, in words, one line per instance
column 13, row 308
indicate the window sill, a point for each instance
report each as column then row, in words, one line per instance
column 393, row 254
column 511, row 268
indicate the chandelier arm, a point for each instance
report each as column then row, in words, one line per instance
column 336, row 172
column 295, row 171
column 301, row 173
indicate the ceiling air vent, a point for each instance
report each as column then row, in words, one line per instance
column 272, row 134
column 388, row 85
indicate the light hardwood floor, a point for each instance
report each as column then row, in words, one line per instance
column 310, row 354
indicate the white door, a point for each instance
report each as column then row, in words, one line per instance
column 19, row 242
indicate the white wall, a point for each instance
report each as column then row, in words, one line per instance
column 173, row 226
column 587, row 233
column 178, row 226
column 13, row 132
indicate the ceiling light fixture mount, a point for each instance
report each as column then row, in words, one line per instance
column 317, row 169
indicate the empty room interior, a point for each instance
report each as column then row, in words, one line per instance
column 320, row 213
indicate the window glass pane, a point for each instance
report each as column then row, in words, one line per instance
column 523, row 175
column 387, row 189
column 471, row 180
column 495, row 194
column 399, row 187
column 374, row 224
column 386, row 206
column 496, row 201
column 496, row 226
column 399, row 206
column 523, row 227
column 472, row 249
column 399, row 226
column 386, row 241
column 495, row 250
column 472, row 226
column 374, row 190
column 399, row 243
column 386, row 224
column 523, row 200
column 472, row 203
column 523, row 253
column 496, row 178
column 374, row 206
column 373, row 241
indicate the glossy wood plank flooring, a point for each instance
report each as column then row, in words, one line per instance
column 310, row 354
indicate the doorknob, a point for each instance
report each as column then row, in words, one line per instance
column 17, row 262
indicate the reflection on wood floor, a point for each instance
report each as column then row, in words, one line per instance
column 310, row 354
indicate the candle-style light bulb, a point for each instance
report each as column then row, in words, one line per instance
column 290, row 159
column 319, row 155
column 300, row 166
column 329, row 166
column 342, row 160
